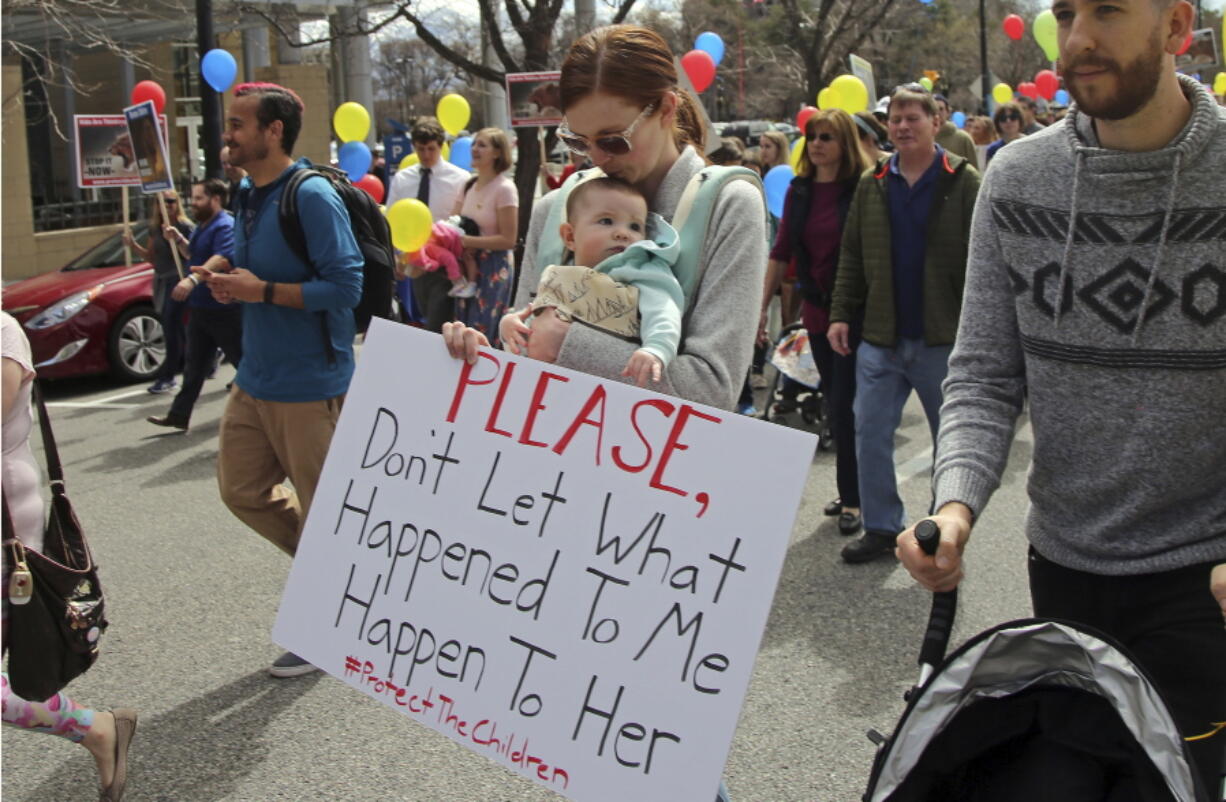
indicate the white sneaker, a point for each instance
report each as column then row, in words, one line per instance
column 467, row 289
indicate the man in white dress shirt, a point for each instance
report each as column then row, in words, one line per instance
column 438, row 184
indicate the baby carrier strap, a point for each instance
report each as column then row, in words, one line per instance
column 692, row 218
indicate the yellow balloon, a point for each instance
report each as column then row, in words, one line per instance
column 853, row 95
column 351, row 122
column 410, row 222
column 453, row 112
column 1045, row 29
column 1219, row 83
column 798, row 153
column 1002, row 93
column 926, row 82
column 829, row 98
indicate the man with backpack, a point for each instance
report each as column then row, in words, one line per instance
column 298, row 326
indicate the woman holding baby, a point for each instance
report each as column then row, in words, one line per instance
column 624, row 109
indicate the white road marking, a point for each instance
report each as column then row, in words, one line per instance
column 106, row 402
column 920, row 463
column 89, row 405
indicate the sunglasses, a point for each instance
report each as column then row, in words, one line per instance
column 612, row 144
column 1017, row 118
column 824, row 136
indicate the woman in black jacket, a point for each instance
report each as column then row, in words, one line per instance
column 814, row 212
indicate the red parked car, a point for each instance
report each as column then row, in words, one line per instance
column 93, row 315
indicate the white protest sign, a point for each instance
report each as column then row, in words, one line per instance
column 567, row 575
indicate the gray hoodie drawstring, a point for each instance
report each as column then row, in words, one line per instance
column 1068, row 240
column 1166, row 225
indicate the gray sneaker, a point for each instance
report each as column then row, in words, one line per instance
column 290, row 665
column 163, row 386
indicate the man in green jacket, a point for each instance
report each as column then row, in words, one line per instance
column 901, row 270
column 950, row 136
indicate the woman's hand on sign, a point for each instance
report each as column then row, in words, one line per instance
column 237, row 285
column 548, row 332
column 513, row 330
column 838, row 335
column 463, row 342
column 643, row 366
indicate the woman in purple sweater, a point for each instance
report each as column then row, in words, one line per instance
column 810, row 232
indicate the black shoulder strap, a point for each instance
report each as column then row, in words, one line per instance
column 55, row 471
column 295, row 237
column 291, row 224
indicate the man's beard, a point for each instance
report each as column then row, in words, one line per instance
column 1136, row 83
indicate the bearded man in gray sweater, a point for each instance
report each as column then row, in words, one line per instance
column 1097, row 285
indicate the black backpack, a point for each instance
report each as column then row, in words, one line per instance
column 371, row 231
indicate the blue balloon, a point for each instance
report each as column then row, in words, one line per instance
column 354, row 158
column 958, row 119
column 462, row 153
column 776, row 185
column 219, row 69
column 711, row 44
column 1062, row 97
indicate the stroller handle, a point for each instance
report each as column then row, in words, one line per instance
column 944, row 604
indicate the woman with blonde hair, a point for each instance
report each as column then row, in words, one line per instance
column 814, row 212
column 624, row 109
column 156, row 251
column 492, row 202
column 773, row 149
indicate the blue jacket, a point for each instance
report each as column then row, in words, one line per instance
column 214, row 237
column 284, row 355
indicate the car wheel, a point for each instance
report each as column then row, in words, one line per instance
column 137, row 346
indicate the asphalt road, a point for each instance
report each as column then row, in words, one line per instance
column 192, row 595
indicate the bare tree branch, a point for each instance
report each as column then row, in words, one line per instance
column 489, row 18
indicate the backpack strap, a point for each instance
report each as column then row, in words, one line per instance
column 294, row 236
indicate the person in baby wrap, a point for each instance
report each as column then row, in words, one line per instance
column 629, row 289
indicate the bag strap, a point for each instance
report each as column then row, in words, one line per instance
column 55, row 471
column 295, row 237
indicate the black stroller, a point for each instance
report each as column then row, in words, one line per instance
column 1029, row 704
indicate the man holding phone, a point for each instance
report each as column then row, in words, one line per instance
column 211, row 324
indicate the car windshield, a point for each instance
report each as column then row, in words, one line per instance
column 109, row 252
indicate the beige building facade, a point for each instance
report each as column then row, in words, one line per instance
column 39, row 194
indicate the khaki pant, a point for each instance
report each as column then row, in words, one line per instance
column 263, row 443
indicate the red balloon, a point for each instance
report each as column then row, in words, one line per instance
column 149, row 90
column 1028, row 89
column 372, row 185
column 804, row 115
column 1184, row 47
column 700, row 68
column 1047, row 82
column 1014, row 27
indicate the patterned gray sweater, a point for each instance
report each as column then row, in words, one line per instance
column 1116, row 327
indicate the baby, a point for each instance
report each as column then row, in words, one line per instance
column 629, row 289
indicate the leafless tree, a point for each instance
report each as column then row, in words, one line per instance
column 38, row 32
column 526, row 45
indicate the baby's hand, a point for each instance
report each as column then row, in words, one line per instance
column 642, row 366
column 513, row 331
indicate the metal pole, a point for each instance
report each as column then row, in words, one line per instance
column 210, row 101
column 983, row 55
